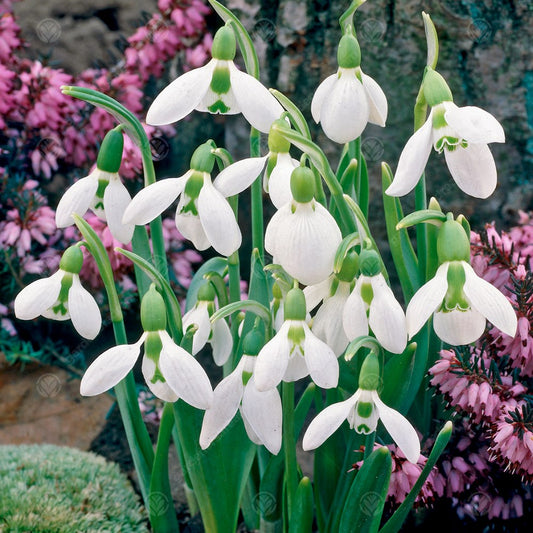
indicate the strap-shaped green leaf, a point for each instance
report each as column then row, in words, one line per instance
column 215, row 264
column 429, row 216
column 301, row 520
column 366, row 499
column 245, row 305
column 297, row 118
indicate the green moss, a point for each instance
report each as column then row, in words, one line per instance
column 53, row 489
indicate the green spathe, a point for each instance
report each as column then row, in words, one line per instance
column 72, row 260
column 153, row 311
column 302, row 184
column 110, row 154
column 452, row 242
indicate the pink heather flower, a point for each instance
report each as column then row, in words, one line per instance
column 9, row 37
column 519, row 348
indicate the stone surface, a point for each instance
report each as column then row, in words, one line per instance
column 43, row 404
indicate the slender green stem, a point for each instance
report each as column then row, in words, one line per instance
column 289, row 445
column 257, row 198
column 369, row 444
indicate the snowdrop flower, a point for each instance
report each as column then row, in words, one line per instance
column 61, row 297
column 203, row 216
column 459, row 300
column 102, row 191
column 169, row 371
column 277, row 176
column 345, row 101
column 295, row 352
column 303, row 236
column 260, row 411
column 373, row 304
column 333, row 293
column 363, row 410
column 218, row 87
column 218, row 333
column 462, row 133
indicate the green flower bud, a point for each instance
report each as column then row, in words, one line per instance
column 253, row 342
column 369, row 375
column 294, row 308
column 453, row 244
column 349, row 52
column 370, row 264
column 153, row 311
column 436, row 89
column 276, row 142
column 224, row 44
column 203, row 158
column 350, row 266
column 72, row 260
column 110, row 154
column 302, row 184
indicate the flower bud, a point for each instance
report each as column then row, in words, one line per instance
column 277, row 143
column 302, row 184
column 110, row 154
column 153, row 311
column 203, row 158
column 436, row 89
column 224, row 45
column 369, row 375
column 350, row 266
column 452, row 242
column 294, row 308
column 349, row 52
column 370, row 264
column 72, row 260
column 253, row 342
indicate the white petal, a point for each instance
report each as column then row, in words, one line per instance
column 279, row 182
column 34, row 299
column 263, row 413
column 327, row 324
column 272, row 360
column 259, row 107
column 77, row 199
column 116, row 200
column 250, row 431
column 198, row 315
column 364, row 424
column 159, row 388
column 235, row 178
column 181, row 96
column 459, row 327
column 218, row 220
column 184, row 374
column 110, row 368
column 226, row 400
column 151, row 201
column 297, row 367
column 400, row 429
column 473, row 169
column 386, row 317
column 490, row 302
column 321, row 361
column 474, row 124
column 314, row 294
column 191, row 227
column 83, row 309
column 413, row 160
column 327, row 422
column 345, row 110
column 221, row 341
column 354, row 319
column 426, row 300
column 304, row 242
column 323, row 90
column 376, row 99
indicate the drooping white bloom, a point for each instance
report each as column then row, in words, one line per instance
column 62, row 297
column 463, row 134
column 373, row 304
column 170, row 373
column 203, row 216
column 261, row 411
column 217, row 334
column 363, row 410
column 460, row 302
column 303, row 238
column 218, row 87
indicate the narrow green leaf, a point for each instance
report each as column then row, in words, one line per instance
column 344, row 247
column 215, row 264
column 297, row 118
column 220, row 287
column 301, row 520
column 395, row 522
column 346, row 18
column 364, row 188
column 429, row 216
column 245, row 305
column 432, row 41
column 366, row 499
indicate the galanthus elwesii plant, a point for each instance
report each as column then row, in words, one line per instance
column 322, row 336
